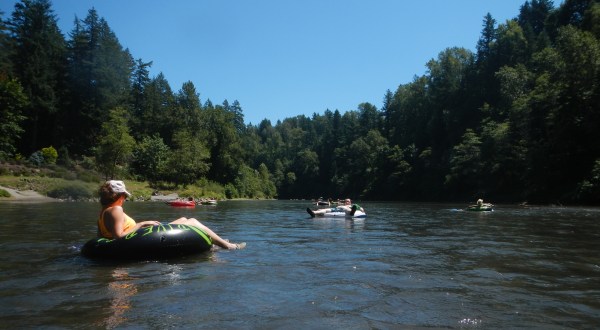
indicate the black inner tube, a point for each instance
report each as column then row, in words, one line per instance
column 156, row 242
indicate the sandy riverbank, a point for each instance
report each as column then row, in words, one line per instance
column 25, row 196
column 34, row 196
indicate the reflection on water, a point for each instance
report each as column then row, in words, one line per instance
column 121, row 289
column 406, row 265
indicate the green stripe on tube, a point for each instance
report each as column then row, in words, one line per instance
column 202, row 233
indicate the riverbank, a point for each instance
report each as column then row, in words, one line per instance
column 34, row 196
column 45, row 188
column 25, row 196
column 79, row 183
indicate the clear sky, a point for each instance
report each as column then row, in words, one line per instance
column 283, row 58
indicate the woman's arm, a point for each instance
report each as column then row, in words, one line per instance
column 115, row 222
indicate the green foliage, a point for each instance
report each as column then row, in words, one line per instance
column 397, row 165
column 36, row 159
column 63, row 173
column 210, row 189
column 466, row 164
column 99, row 71
column 88, row 163
column 4, row 193
column 156, row 116
column 38, row 54
column 252, row 183
column 589, row 188
column 267, row 187
column 12, row 103
column 187, row 162
column 221, row 135
column 150, row 159
column 50, row 155
column 231, row 191
column 46, row 156
column 63, row 157
column 72, row 190
column 88, row 176
column 115, row 145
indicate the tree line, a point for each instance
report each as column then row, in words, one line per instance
column 517, row 119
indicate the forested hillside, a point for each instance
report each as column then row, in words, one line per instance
column 516, row 120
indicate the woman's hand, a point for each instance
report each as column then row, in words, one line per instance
column 148, row 223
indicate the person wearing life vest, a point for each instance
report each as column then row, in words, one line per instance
column 113, row 222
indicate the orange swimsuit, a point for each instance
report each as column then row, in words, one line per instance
column 104, row 232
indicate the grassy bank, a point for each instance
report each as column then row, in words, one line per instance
column 51, row 187
column 79, row 184
column 83, row 190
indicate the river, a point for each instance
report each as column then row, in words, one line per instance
column 407, row 265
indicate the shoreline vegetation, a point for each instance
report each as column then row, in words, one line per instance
column 21, row 183
column 43, row 184
column 15, row 189
column 29, row 195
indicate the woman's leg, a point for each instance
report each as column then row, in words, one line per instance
column 216, row 238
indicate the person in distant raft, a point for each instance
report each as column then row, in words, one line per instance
column 480, row 204
column 348, row 207
column 114, row 223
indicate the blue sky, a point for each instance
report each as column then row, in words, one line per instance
column 283, row 58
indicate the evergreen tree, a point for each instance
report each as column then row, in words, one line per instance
column 238, row 115
column 466, row 165
column 571, row 97
column 187, row 115
column 591, row 19
column 5, row 47
column 38, row 60
column 139, row 81
column 370, row 118
column 486, row 63
column 115, row 145
column 533, row 15
column 188, row 160
column 12, row 102
column 157, row 116
column 151, row 159
column 449, row 116
column 219, row 131
column 386, row 111
column 100, row 72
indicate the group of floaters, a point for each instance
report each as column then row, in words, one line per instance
column 121, row 237
column 327, row 202
column 349, row 210
column 191, row 202
column 346, row 210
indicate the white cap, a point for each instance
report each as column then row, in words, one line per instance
column 118, row 186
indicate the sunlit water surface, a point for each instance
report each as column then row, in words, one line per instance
column 405, row 265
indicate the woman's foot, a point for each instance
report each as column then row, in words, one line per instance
column 237, row 246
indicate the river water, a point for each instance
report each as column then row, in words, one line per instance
column 405, row 265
